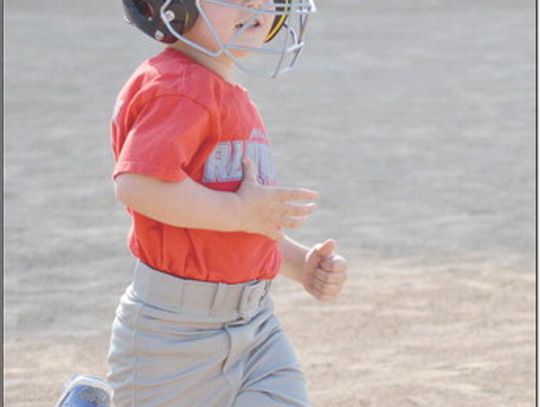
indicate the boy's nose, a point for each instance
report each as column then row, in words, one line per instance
column 256, row 3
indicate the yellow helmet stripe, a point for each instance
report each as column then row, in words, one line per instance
column 277, row 24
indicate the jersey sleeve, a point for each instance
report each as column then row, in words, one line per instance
column 164, row 137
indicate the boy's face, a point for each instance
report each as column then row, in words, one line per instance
column 232, row 25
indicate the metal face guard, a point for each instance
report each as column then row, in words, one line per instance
column 283, row 43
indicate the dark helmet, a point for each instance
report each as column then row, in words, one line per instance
column 182, row 14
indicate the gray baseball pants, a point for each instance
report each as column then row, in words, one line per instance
column 178, row 342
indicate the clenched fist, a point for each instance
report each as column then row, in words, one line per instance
column 325, row 272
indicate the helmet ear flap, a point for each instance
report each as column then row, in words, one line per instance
column 279, row 21
column 145, row 15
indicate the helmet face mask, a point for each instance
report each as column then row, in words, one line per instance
column 276, row 52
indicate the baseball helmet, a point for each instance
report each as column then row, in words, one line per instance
column 168, row 20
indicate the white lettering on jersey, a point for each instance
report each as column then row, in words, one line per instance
column 225, row 163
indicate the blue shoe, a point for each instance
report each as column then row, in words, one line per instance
column 86, row 391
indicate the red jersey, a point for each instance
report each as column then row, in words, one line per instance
column 174, row 119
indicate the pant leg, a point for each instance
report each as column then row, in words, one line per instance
column 157, row 361
column 272, row 374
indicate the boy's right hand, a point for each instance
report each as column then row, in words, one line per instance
column 265, row 210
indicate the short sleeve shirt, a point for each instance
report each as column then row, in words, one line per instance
column 175, row 119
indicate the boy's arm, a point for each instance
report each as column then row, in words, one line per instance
column 294, row 259
column 183, row 204
column 254, row 208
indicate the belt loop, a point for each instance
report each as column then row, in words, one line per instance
column 268, row 286
column 180, row 294
column 219, row 297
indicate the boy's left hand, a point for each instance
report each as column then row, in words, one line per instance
column 325, row 271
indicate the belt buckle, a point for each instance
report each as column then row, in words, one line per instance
column 251, row 298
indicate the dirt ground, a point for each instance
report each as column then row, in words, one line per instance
column 414, row 119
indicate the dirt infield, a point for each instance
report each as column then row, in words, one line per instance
column 415, row 121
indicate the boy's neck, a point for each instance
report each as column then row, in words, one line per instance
column 222, row 65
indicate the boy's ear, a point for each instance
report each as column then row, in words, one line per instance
column 186, row 14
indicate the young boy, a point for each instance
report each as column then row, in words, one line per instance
column 193, row 166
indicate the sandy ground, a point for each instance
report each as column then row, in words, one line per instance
column 415, row 121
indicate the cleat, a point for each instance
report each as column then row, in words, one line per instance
column 86, row 391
